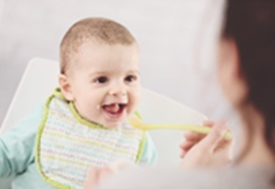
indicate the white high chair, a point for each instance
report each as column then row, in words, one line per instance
column 40, row 79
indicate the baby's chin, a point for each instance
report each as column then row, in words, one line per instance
column 109, row 124
column 112, row 125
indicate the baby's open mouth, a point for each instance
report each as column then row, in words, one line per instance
column 114, row 110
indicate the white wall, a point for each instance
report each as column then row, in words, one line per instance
column 176, row 38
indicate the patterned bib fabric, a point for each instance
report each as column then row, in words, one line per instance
column 68, row 146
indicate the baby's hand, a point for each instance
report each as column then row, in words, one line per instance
column 96, row 176
column 207, row 151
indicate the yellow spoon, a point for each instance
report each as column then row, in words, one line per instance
column 137, row 123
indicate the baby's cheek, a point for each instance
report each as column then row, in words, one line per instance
column 89, row 110
column 136, row 100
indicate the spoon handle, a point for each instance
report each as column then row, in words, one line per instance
column 195, row 128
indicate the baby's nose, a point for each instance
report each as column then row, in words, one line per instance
column 117, row 90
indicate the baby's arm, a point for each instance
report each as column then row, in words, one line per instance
column 149, row 155
column 17, row 145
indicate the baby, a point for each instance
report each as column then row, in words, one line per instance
column 83, row 125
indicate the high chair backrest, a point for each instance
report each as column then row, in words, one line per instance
column 40, row 79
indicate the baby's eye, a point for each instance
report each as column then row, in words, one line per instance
column 102, row 79
column 130, row 78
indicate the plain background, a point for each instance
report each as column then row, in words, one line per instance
column 177, row 40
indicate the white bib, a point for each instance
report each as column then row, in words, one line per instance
column 68, row 146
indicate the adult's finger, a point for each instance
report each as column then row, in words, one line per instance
column 186, row 148
column 187, row 144
column 215, row 136
column 209, row 123
column 193, row 136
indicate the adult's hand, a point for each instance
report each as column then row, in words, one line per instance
column 207, row 151
column 99, row 175
column 96, row 176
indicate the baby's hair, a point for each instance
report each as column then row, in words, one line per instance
column 89, row 29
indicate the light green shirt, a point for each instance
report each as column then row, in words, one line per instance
column 17, row 153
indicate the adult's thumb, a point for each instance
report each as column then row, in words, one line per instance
column 215, row 135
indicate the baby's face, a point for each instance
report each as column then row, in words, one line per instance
column 105, row 82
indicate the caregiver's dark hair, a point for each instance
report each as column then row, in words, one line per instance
column 251, row 24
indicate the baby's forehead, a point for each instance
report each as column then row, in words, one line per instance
column 101, row 48
column 97, row 53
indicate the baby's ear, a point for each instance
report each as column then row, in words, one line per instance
column 65, row 87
